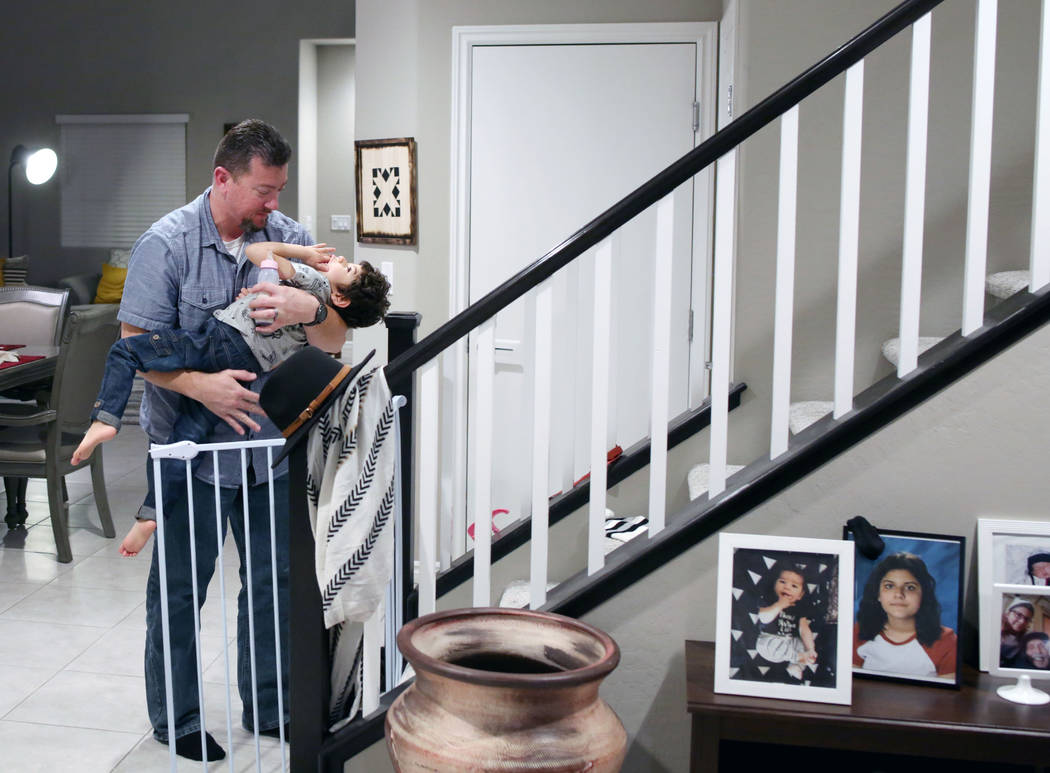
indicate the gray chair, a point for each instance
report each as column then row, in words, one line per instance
column 29, row 315
column 35, row 314
column 38, row 441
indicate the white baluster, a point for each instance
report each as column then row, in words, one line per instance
column 599, row 406
column 541, row 435
column 980, row 167
column 914, row 197
column 661, row 364
column 372, row 637
column 428, row 486
column 784, row 302
column 849, row 239
column 1040, row 246
column 721, row 337
column 480, row 481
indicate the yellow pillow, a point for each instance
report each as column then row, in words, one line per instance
column 111, row 285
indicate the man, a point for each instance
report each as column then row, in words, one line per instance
column 185, row 266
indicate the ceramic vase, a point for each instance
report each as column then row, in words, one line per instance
column 508, row 690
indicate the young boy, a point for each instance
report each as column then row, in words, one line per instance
column 357, row 292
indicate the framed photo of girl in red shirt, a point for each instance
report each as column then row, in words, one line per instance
column 907, row 606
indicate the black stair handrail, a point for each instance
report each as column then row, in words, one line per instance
column 693, row 162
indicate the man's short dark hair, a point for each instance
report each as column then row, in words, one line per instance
column 251, row 138
column 367, row 295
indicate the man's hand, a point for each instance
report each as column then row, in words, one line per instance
column 280, row 305
column 318, row 255
column 222, row 394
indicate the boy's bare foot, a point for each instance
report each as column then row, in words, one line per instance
column 98, row 432
column 137, row 538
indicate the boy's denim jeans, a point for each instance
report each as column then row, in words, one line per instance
column 180, row 604
column 213, row 348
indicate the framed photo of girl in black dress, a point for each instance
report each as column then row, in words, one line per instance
column 784, row 618
column 907, row 607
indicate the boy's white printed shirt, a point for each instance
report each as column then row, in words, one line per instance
column 271, row 349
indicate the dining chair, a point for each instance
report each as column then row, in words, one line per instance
column 37, row 441
column 28, row 315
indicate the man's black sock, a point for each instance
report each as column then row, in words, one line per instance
column 189, row 746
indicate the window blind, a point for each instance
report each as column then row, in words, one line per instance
column 119, row 174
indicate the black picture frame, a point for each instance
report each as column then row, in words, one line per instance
column 943, row 557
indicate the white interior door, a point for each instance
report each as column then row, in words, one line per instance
column 558, row 133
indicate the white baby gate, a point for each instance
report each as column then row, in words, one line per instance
column 380, row 631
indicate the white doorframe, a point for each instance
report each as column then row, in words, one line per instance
column 454, row 364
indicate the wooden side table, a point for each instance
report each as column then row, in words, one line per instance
column 886, row 717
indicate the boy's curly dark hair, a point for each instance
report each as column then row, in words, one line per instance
column 367, row 295
column 871, row 617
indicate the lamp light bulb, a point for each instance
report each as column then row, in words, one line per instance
column 41, row 165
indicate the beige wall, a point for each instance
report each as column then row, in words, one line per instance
column 974, row 451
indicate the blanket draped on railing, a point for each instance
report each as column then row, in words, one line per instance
column 350, row 482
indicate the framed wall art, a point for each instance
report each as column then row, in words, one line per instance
column 784, row 618
column 1013, row 570
column 907, row 605
column 386, row 191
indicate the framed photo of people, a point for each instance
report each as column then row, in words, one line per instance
column 1014, row 593
column 386, row 191
column 783, row 618
column 907, row 606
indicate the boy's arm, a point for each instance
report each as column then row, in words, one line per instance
column 316, row 256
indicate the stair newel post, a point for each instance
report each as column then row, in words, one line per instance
column 980, row 167
column 914, row 196
column 783, row 310
column 401, row 336
column 309, row 678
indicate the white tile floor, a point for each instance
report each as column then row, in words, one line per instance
column 72, row 695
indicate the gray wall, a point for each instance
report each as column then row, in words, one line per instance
column 219, row 62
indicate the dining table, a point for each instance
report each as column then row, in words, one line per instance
column 36, row 363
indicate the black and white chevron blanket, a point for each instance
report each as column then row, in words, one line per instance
column 350, row 486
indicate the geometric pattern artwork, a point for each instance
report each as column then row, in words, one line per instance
column 386, row 192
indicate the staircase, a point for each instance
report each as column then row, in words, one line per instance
column 647, row 589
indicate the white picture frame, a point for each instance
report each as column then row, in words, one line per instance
column 1006, row 549
column 748, row 567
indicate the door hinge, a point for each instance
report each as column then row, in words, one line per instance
column 729, row 102
column 690, row 324
column 696, row 116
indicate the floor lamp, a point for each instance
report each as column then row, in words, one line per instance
column 39, row 166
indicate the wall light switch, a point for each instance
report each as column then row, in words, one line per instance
column 341, row 222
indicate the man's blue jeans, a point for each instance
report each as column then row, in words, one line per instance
column 213, row 348
column 180, row 604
